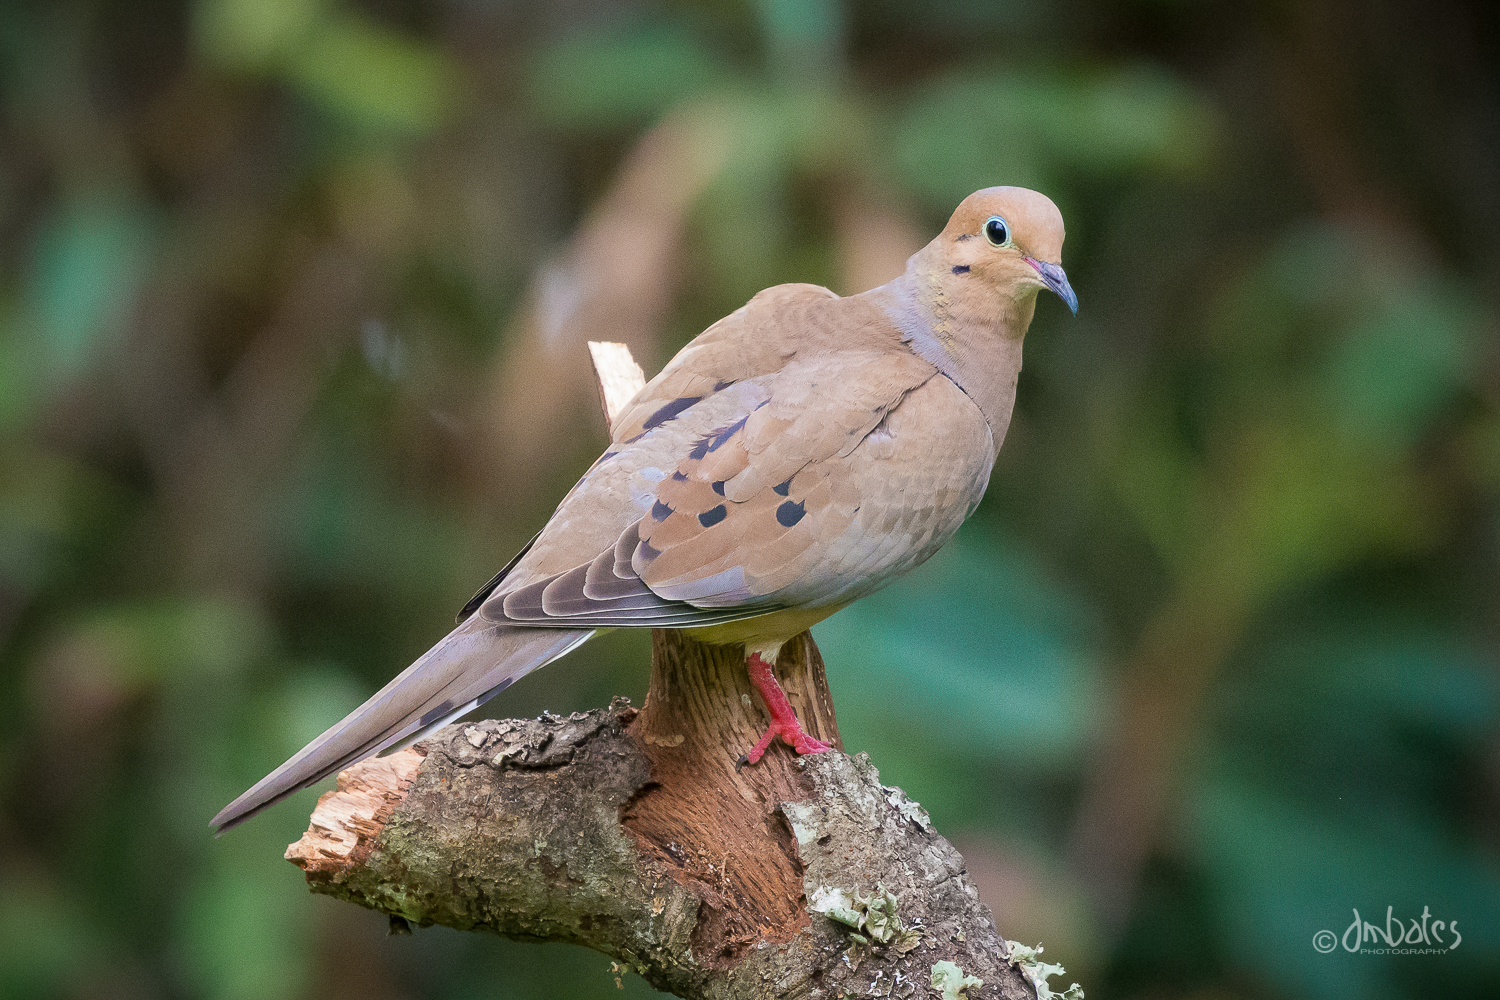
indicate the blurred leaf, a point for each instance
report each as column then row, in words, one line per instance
column 90, row 258
column 1479, row 449
column 255, row 34
column 1301, row 467
column 1394, row 345
column 1281, row 500
column 1279, row 312
column 1297, row 502
column 1030, row 127
column 375, row 79
column 1392, row 373
column 1371, row 705
column 48, row 945
column 780, row 138
column 805, row 37
column 1161, row 484
column 245, row 928
column 313, row 697
column 140, row 643
column 19, row 362
column 341, row 521
column 369, row 77
column 602, row 81
column 49, row 504
column 979, row 642
column 959, row 21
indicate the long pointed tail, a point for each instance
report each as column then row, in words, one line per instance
column 475, row 662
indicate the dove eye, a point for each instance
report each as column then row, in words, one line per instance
column 997, row 231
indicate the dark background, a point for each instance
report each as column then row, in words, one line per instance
column 293, row 297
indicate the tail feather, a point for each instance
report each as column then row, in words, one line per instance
column 475, row 662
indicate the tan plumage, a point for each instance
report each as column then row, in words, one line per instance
column 795, row 456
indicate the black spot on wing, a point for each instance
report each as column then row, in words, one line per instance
column 960, row 268
column 723, row 384
column 782, row 489
column 709, row 518
column 719, row 487
column 647, row 551
column 669, row 410
column 788, row 514
column 679, row 477
column 660, row 511
column 700, row 449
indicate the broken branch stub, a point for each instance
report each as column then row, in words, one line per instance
column 618, row 376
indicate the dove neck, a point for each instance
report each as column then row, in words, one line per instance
column 970, row 333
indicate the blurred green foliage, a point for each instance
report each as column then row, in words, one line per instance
column 265, row 263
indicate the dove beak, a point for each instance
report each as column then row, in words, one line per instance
column 1054, row 278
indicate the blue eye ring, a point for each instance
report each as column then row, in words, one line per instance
column 997, row 231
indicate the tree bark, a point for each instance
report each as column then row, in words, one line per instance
column 639, row 834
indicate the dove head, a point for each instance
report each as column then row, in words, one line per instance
column 1008, row 239
column 966, row 299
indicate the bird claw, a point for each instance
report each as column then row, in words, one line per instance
column 793, row 736
column 807, row 744
column 783, row 720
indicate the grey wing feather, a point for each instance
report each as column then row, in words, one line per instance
column 476, row 661
column 606, row 593
column 601, row 583
column 495, row 581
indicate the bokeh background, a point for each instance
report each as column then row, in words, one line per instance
column 293, row 302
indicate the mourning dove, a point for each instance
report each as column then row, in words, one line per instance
column 797, row 455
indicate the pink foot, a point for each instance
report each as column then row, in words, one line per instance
column 783, row 721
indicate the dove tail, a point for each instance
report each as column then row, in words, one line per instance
column 472, row 664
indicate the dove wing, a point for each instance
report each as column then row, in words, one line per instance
column 755, row 474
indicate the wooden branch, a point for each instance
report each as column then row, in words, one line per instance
column 642, row 835
column 635, row 833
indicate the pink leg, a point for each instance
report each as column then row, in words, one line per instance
column 783, row 721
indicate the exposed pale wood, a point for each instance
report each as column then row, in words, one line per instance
column 618, row 376
column 347, row 820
